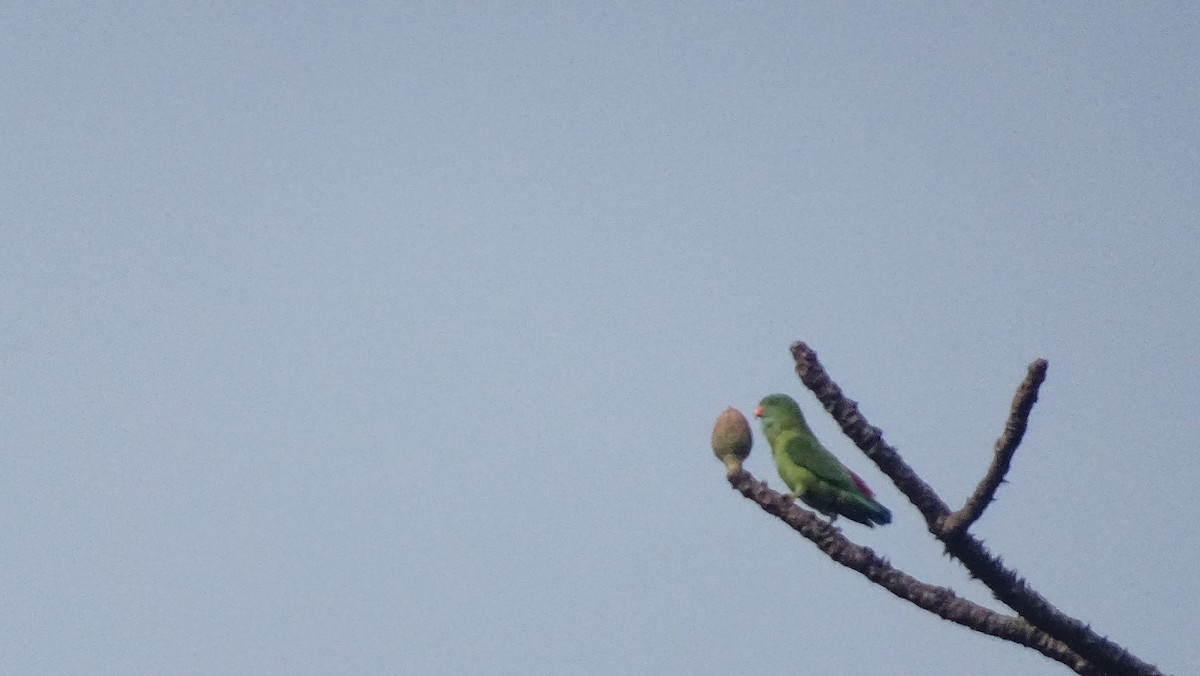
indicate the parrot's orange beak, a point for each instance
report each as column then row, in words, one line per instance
column 758, row 412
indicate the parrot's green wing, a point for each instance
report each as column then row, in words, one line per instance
column 807, row 452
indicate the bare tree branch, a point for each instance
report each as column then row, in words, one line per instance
column 1015, row 593
column 1010, row 589
column 1006, row 446
column 941, row 601
column 865, row 436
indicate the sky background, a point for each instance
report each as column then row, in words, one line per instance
column 387, row 337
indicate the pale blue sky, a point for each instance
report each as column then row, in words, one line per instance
column 388, row 338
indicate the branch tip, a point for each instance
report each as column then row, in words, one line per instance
column 957, row 523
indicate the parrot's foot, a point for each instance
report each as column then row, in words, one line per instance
column 832, row 518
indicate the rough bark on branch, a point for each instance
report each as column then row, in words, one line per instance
column 1005, row 584
column 1006, row 447
column 940, row 601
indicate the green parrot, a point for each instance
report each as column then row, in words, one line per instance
column 813, row 473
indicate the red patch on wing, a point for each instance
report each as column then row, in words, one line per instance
column 862, row 485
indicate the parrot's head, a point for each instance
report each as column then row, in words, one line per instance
column 778, row 412
column 777, row 405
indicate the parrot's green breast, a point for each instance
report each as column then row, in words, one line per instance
column 811, row 489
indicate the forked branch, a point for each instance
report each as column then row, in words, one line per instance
column 1037, row 624
column 1006, row 446
column 940, row 601
column 1009, row 588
